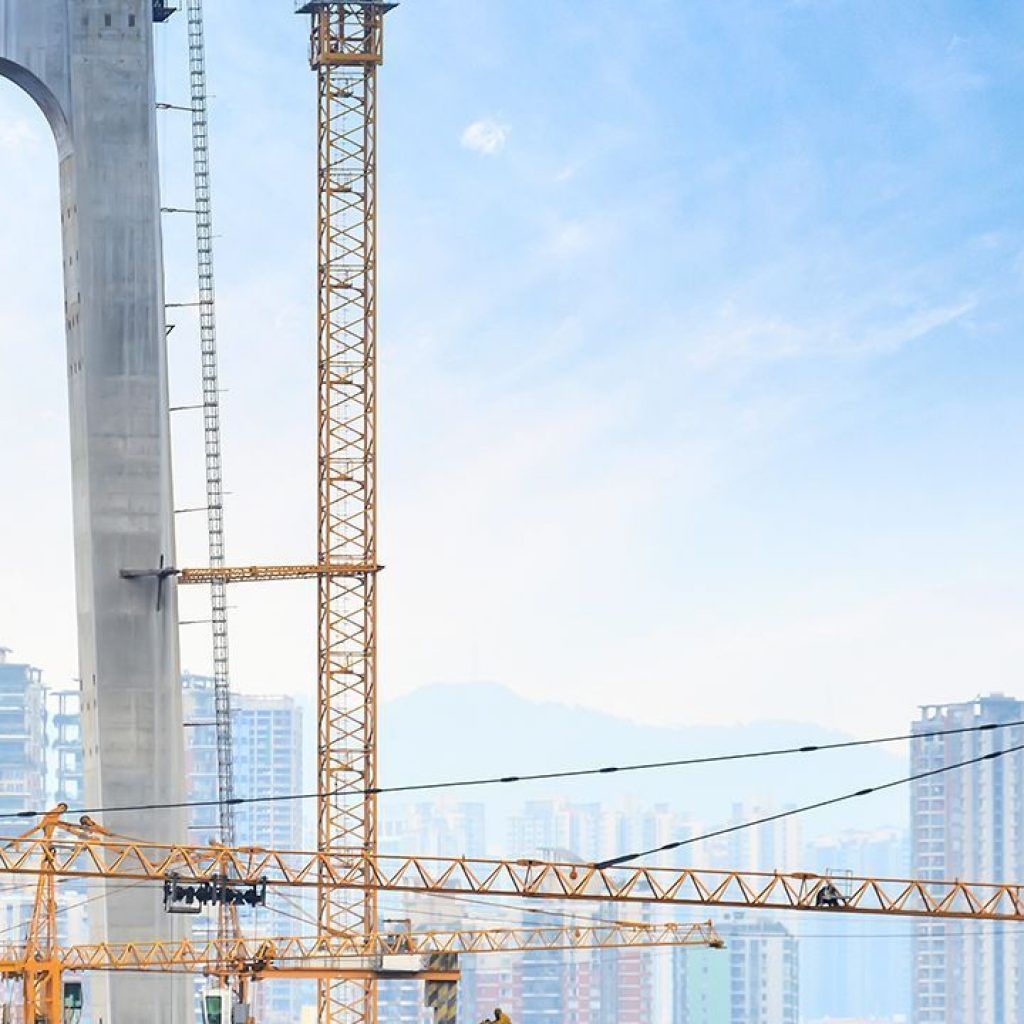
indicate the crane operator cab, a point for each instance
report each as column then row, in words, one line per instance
column 221, row 1006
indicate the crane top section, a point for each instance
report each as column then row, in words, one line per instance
column 346, row 33
column 313, row 6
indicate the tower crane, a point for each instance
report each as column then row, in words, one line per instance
column 347, row 872
column 346, row 48
column 84, row 849
column 41, row 964
column 58, row 848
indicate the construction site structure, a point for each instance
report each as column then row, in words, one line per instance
column 49, row 973
column 211, row 408
column 58, row 849
column 131, row 578
column 346, row 49
column 87, row 850
column 89, row 67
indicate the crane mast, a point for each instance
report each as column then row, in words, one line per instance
column 346, row 50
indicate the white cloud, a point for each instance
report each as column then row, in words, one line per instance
column 770, row 339
column 485, row 136
column 570, row 239
column 17, row 134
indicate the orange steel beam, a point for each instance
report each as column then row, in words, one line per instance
column 312, row 955
column 85, row 851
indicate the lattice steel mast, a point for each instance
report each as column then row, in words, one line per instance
column 211, row 413
column 346, row 50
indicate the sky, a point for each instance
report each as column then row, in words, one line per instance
column 700, row 342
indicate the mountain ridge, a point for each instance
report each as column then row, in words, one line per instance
column 453, row 731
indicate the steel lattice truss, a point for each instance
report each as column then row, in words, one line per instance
column 87, row 851
column 347, row 40
column 295, row 956
column 264, row 573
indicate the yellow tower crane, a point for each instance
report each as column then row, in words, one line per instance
column 346, row 49
column 84, row 849
column 347, row 871
column 58, row 849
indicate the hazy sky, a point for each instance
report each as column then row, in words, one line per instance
column 701, row 353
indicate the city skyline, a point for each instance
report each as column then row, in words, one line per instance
column 852, row 968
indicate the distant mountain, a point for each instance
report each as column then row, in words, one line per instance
column 456, row 731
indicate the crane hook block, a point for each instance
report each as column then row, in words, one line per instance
column 191, row 897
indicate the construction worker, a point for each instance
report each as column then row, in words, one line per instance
column 828, row 896
column 499, row 1018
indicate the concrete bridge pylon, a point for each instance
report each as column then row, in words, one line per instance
column 88, row 64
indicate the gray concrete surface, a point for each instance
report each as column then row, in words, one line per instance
column 89, row 66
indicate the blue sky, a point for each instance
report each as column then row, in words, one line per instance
column 701, row 352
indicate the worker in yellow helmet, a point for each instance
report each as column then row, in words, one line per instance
column 499, row 1018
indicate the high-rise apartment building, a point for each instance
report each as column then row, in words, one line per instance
column 606, row 986
column 69, row 788
column 199, row 710
column 754, row 980
column 861, row 970
column 22, row 767
column 67, row 746
column 968, row 824
column 702, row 993
column 439, row 829
column 25, row 784
column 443, row 829
column 774, row 846
column 266, row 735
column 266, row 741
column 22, row 736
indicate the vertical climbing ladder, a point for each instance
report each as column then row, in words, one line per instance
column 211, row 412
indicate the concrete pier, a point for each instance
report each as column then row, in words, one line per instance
column 89, row 66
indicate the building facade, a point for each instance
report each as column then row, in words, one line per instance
column 442, row 829
column 22, row 736
column 857, row 968
column 266, row 741
column 601, row 986
column 755, row 980
column 968, row 824
column 67, row 747
column 22, row 770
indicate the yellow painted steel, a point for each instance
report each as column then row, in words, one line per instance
column 267, row 573
column 312, row 955
column 38, row 965
column 85, row 850
column 346, row 50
